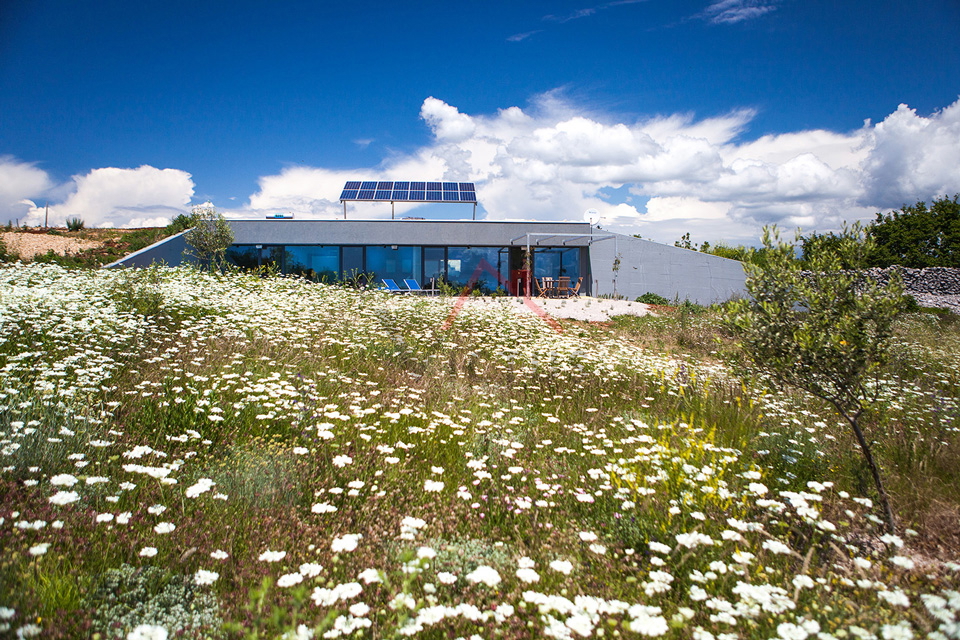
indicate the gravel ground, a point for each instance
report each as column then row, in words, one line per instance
column 30, row 245
column 581, row 308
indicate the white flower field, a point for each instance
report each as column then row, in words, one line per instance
column 188, row 455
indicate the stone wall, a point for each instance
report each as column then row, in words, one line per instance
column 930, row 287
column 937, row 281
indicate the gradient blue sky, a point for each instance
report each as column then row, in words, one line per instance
column 714, row 117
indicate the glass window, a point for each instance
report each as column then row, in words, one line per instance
column 251, row 256
column 394, row 262
column 318, row 263
column 557, row 262
column 352, row 261
column 489, row 265
column 434, row 264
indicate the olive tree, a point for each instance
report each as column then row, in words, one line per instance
column 826, row 330
column 209, row 238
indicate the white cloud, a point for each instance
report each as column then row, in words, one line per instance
column 446, row 121
column 733, row 11
column 20, row 184
column 910, row 157
column 112, row 197
column 660, row 176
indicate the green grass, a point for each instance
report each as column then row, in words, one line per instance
column 262, row 415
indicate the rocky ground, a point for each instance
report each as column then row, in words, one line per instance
column 582, row 308
column 30, row 245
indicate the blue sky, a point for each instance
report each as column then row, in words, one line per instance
column 665, row 117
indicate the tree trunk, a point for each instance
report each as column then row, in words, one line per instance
column 874, row 471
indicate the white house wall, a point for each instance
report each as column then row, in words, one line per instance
column 671, row 272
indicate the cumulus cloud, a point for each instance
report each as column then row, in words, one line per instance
column 658, row 176
column 20, row 184
column 910, row 157
column 112, row 197
column 447, row 123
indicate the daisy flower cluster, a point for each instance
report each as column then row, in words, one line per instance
column 265, row 456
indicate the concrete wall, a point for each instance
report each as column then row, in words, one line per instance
column 168, row 251
column 386, row 232
column 671, row 272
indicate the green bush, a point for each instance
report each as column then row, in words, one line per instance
column 74, row 224
column 653, row 298
column 820, row 332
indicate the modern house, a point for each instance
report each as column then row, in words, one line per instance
column 491, row 253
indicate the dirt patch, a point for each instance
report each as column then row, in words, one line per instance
column 30, row 245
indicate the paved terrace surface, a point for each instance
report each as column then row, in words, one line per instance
column 582, row 308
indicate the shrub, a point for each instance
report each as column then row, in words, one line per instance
column 181, row 223
column 209, row 239
column 74, row 224
column 653, row 298
column 824, row 332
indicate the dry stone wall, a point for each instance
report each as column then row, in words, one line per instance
column 936, row 281
column 930, row 287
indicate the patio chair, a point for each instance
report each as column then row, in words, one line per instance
column 393, row 287
column 563, row 287
column 414, row 287
column 543, row 290
column 575, row 291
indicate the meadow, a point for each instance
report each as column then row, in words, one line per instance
column 194, row 455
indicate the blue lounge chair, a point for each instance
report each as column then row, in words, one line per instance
column 414, row 287
column 392, row 286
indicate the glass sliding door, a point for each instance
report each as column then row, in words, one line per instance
column 317, row 263
column 397, row 263
column 557, row 262
column 434, row 265
column 351, row 262
column 252, row 256
column 489, row 265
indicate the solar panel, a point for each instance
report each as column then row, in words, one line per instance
column 406, row 191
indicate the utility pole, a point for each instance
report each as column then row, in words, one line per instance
column 46, row 216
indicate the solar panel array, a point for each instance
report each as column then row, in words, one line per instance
column 379, row 191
